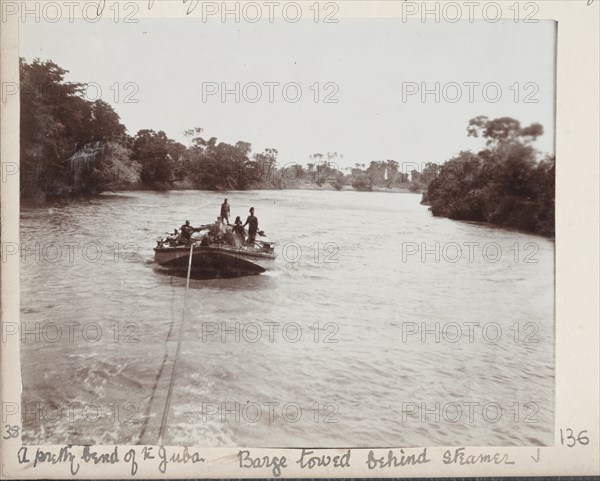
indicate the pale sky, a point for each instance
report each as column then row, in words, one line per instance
column 369, row 60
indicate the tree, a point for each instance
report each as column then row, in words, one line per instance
column 151, row 149
column 56, row 123
column 503, row 184
column 105, row 123
column 501, row 130
column 191, row 133
column 376, row 172
column 362, row 183
column 43, row 140
column 265, row 163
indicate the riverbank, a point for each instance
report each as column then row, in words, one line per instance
column 186, row 185
column 291, row 185
column 310, row 187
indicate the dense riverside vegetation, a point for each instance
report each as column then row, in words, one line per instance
column 56, row 124
column 504, row 184
column 72, row 146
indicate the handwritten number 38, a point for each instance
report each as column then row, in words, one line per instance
column 570, row 440
column 11, row 431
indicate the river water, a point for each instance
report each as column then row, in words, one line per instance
column 379, row 325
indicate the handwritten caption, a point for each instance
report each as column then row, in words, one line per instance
column 305, row 459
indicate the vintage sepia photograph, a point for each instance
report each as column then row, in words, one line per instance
column 285, row 228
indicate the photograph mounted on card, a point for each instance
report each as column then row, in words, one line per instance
column 294, row 238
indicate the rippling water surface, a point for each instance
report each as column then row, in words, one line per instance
column 482, row 373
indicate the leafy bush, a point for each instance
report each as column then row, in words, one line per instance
column 503, row 184
column 362, row 183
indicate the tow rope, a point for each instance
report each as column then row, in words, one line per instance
column 165, row 416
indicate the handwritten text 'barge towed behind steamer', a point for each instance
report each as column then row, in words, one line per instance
column 308, row 459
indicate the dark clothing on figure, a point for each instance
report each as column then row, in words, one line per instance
column 185, row 236
column 252, row 222
column 238, row 229
column 186, row 232
column 225, row 210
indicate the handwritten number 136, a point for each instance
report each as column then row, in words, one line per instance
column 570, row 440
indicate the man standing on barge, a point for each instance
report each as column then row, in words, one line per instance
column 225, row 211
column 252, row 222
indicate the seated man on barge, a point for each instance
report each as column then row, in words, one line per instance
column 172, row 238
column 206, row 240
column 238, row 228
column 185, row 236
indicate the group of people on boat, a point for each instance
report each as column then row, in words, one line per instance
column 219, row 232
column 238, row 228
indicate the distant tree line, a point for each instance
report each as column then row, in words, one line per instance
column 504, row 184
column 71, row 145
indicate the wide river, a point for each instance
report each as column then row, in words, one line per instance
column 378, row 325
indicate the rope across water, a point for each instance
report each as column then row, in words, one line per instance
column 165, row 416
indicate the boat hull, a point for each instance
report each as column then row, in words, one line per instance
column 213, row 261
